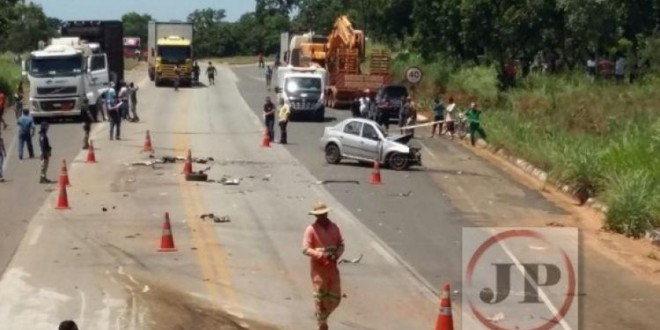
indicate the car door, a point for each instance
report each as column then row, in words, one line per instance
column 350, row 139
column 370, row 142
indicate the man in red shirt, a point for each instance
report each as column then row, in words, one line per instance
column 2, row 109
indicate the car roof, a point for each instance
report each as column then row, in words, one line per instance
column 362, row 120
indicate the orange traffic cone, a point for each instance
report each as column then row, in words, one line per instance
column 64, row 175
column 445, row 320
column 375, row 175
column 62, row 200
column 147, row 143
column 167, row 240
column 91, row 156
column 265, row 142
column 187, row 166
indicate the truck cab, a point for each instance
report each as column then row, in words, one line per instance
column 65, row 76
column 303, row 90
column 172, row 51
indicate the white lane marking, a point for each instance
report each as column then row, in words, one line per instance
column 544, row 297
column 515, row 260
column 83, row 309
column 34, row 239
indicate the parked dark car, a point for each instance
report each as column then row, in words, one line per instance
column 389, row 99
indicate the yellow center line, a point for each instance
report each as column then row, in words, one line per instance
column 210, row 254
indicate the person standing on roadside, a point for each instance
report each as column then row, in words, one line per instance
column 283, row 117
column 3, row 98
column 412, row 119
column 124, row 99
column 450, row 117
column 261, row 61
column 324, row 244
column 210, row 73
column 404, row 113
column 132, row 91
column 269, row 77
column 87, row 119
column 355, row 107
column 44, row 145
column 177, row 77
column 473, row 116
column 195, row 70
column 269, row 118
column 438, row 115
column 19, row 99
column 25, row 133
column 114, row 115
column 3, row 155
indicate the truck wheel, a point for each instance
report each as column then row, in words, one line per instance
column 320, row 116
column 151, row 75
column 332, row 154
column 398, row 162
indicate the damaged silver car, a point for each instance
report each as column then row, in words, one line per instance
column 364, row 140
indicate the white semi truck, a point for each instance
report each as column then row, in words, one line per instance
column 75, row 70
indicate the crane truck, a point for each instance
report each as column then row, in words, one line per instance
column 73, row 71
column 170, row 44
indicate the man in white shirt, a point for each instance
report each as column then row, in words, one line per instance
column 620, row 68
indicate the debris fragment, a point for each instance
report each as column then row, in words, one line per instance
column 141, row 163
column 337, row 181
column 266, row 177
column 104, row 209
column 554, row 224
column 406, row 194
column 228, row 181
column 197, row 176
column 215, row 218
column 352, row 261
column 496, row 318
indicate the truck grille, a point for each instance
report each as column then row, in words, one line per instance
column 57, row 90
column 63, row 105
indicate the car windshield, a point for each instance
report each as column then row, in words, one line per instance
column 174, row 55
column 303, row 84
column 396, row 91
column 56, row 66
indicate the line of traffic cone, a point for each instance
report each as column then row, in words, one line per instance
column 265, row 142
column 375, row 175
column 167, row 239
column 91, row 155
column 445, row 320
column 64, row 175
column 62, row 199
column 187, row 166
column 147, row 143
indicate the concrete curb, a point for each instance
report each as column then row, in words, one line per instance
column 652, row 235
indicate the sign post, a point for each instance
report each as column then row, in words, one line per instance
column 414, row 76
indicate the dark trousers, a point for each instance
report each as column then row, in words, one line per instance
column 24, row 139
column 283, row 136
column 476, row 128
column 45, row 160
column 87, row 127
column 384, row 119
column 211, row 80
column 438, row 126
column 270, row 126
column 115, row 123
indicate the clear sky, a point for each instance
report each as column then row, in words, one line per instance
column 159, row 9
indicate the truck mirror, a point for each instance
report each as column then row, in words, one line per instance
column 153, row 53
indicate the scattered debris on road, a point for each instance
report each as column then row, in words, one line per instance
column 228, row 181
column 554, row 224
column 215, row 218
column 337, row 181
column 266, row 177
column 351, row 261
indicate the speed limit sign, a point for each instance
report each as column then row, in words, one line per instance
column 414, row 75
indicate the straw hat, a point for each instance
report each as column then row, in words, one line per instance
column 319, row 208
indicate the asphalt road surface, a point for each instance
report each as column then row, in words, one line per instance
column 98, row 263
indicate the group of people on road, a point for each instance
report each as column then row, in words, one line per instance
column 283, row 114
column 118, row 106
column 445, row 117
column 26, row 132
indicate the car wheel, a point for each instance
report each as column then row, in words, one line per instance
column 332, row 154
column 398, row 162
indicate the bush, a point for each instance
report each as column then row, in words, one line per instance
column 479, row 82
column 10, row 75
column 579, row 165
column 633, row 203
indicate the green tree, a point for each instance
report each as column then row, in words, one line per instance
column 136, row 25
column 28, row 26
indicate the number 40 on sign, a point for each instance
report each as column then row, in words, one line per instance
column 414, row 75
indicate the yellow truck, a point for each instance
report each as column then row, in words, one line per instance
column 170, row 44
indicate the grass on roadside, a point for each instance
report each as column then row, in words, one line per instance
column 601, row 139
